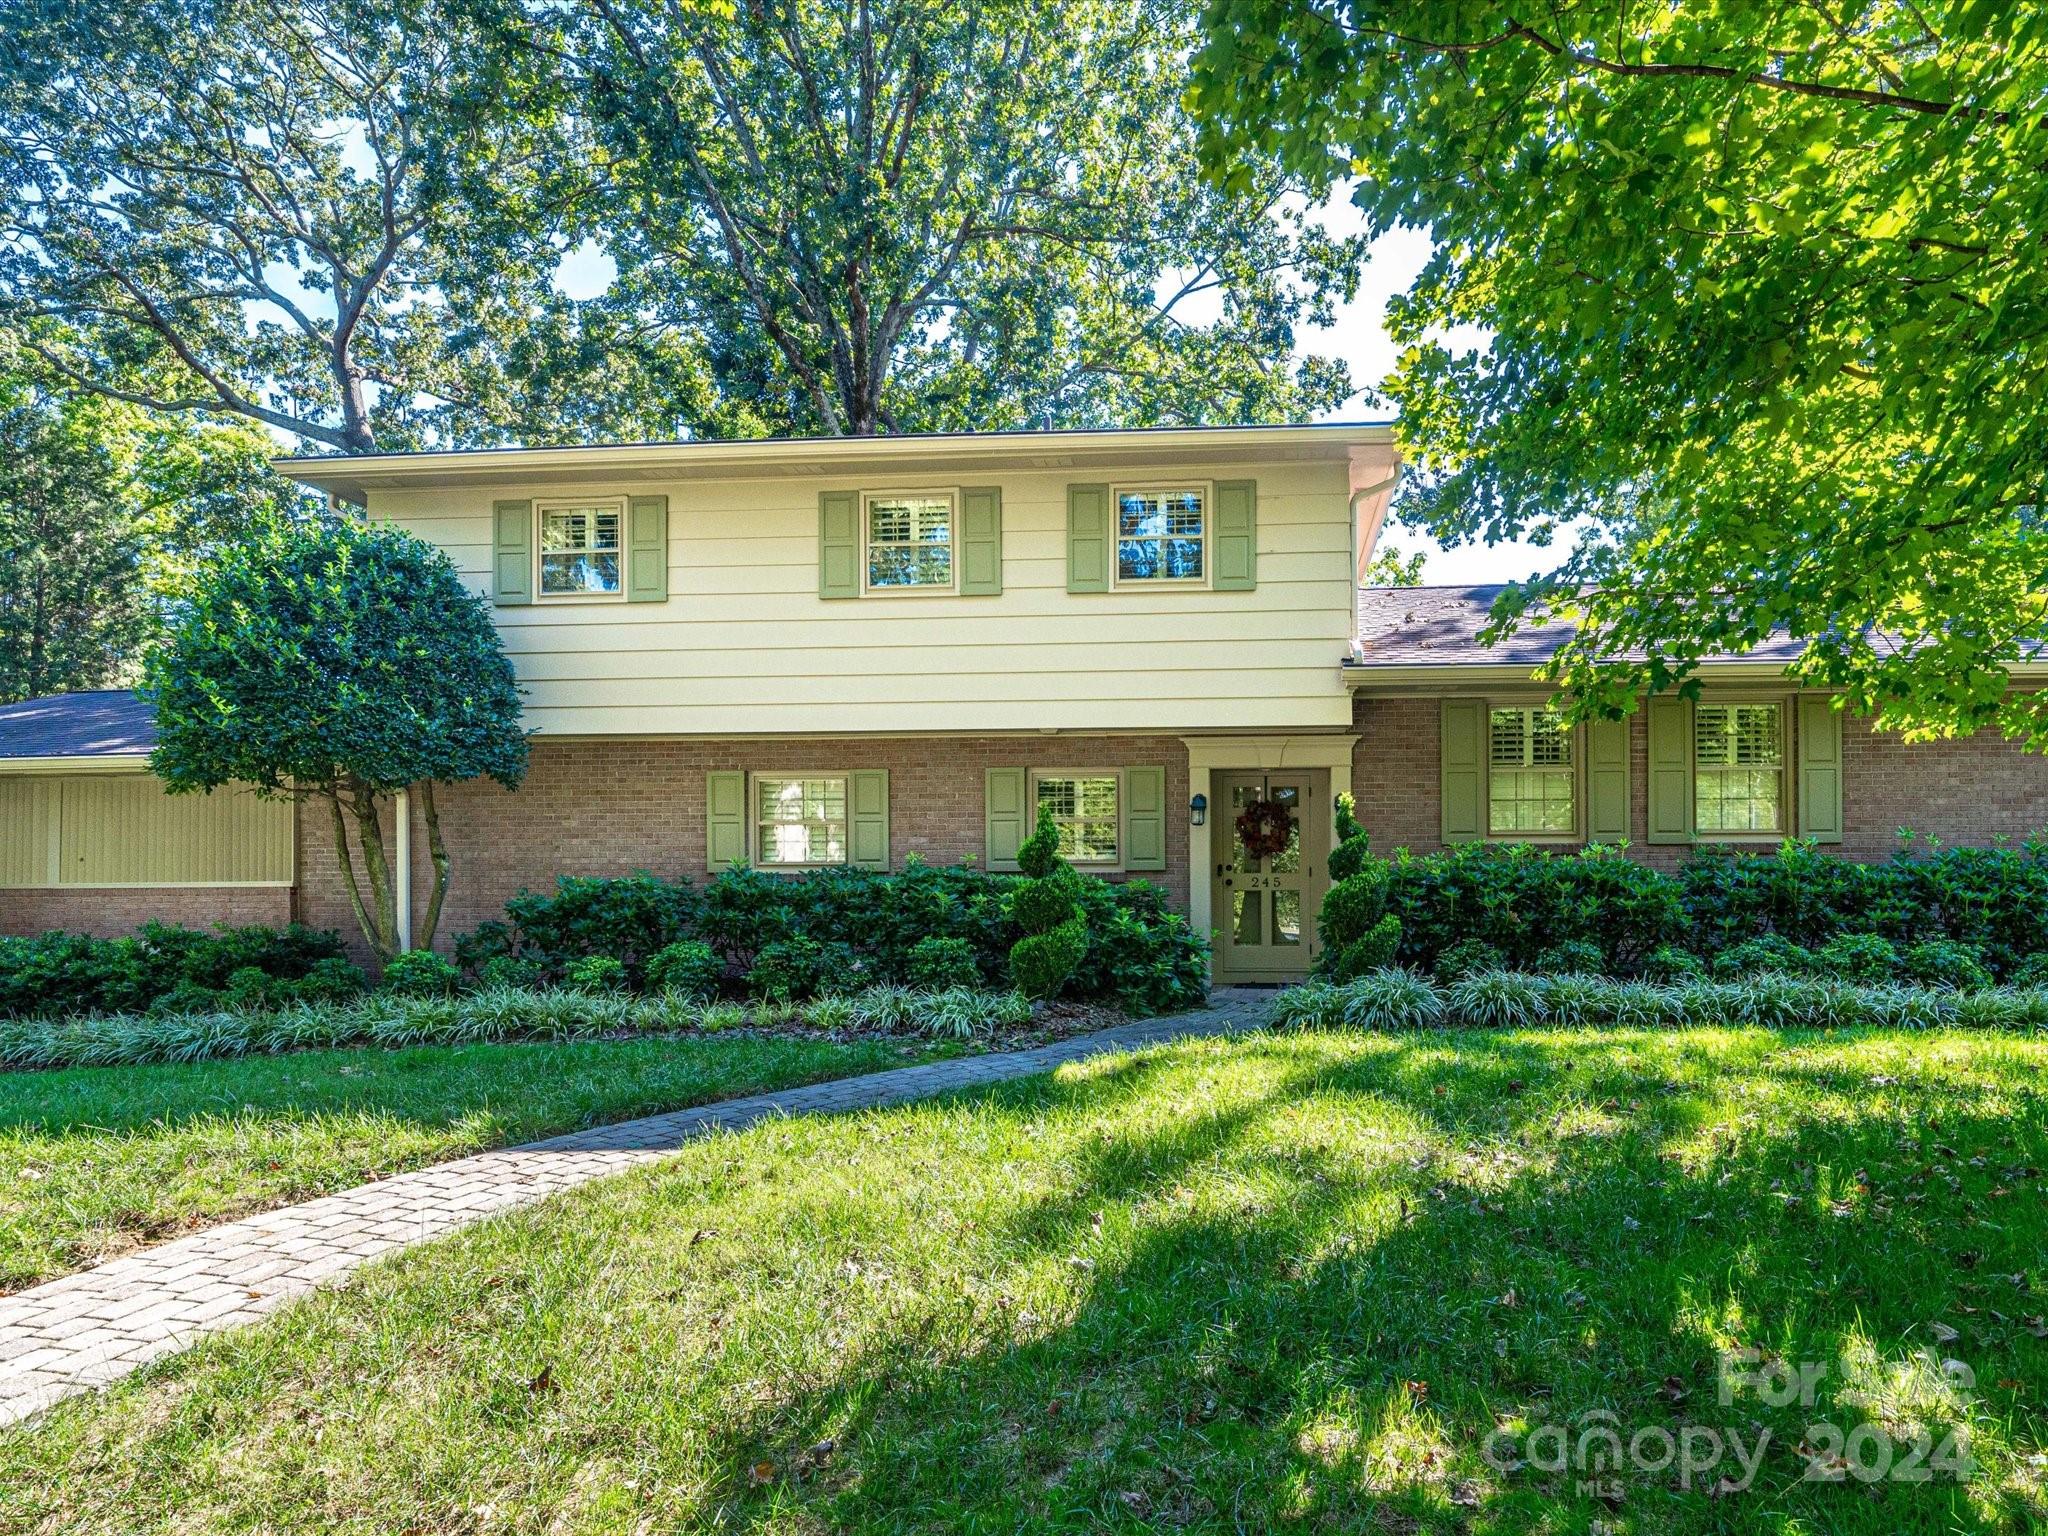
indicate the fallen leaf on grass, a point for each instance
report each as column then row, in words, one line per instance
column 761, row 1473
column 1943, row 1334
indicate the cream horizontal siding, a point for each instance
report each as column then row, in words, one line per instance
column 745, row 645
column 122, row 829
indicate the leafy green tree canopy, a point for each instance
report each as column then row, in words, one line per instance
column 339, row 662
column 1766, row 284
column 309, row 213
column 900, row 216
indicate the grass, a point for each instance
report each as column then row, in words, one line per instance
column 94, row 1161
column 1287, row 1282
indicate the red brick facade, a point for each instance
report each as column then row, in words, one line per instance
column 111, row 913
column 1972, row 792
column 612, row 807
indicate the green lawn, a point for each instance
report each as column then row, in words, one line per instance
column 1268, row 1284
column 96, row 1160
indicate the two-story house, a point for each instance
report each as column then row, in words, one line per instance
column 803, row 653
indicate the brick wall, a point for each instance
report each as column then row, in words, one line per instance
column 609, row 808
column 110, row 913
column 1975, row 791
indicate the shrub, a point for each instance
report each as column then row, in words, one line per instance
column 597, row 973
column 792, row 970
column 332, row 980
column 1466, row 957
column 1857, row 957
column 1375, row 950
column 1522, row 900
column 1947, row 963
column 70, row 973
column 938, row 963
column 1768, row 952
column 508, row 971
column 1041, row 905
column 1353, row 907
column 420, row 973
column 688, row 968
column 1046, row 907
column 1141, row 956
column 1667, row 964
column 247, row 987
column 1353, row 845
column 628, row 918
column 1042, row 963
column 1574, row 957
column 2031, row 972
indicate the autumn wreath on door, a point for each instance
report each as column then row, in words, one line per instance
column 1265, row 828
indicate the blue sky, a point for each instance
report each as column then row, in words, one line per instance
column 1359, row 337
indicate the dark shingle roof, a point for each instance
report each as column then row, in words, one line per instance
column 112, row 723
column 1439, row 626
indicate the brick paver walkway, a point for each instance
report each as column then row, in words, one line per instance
column 87, row 1329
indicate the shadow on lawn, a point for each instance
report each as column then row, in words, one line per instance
column 1306, row 1327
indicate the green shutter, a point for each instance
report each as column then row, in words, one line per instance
column 1671, row 778
column 1003, row 817
column 838, row 544
column 1236, row 539
column 1820, row 769
column 1144, row 818
column 1607, row 781
column 725, row 825
column 867, row 793
column 647, row 549
column 1088, row 540
column 512, row 553
column 981, row 541
column 1463, row 762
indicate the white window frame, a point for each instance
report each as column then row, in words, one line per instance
column 1575, row 737
column 543, row 506
column 1167, row 484
column 951, row 495
column 1093, row 866
column 1783, row 830
column 755, row 822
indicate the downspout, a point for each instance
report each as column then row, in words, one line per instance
column 402, row 881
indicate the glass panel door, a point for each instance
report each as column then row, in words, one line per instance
column 1269, row 876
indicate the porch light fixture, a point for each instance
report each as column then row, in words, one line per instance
column 1198, row 810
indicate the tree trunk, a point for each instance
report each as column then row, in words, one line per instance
column 438, row 852
column 345, row 863
column 382, row 927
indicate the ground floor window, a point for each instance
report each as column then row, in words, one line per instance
column 1085, row 806
column 1739, row 768
column 800, row 820
column 1531, row 781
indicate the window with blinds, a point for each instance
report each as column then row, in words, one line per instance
column 1531, row 785
column 1739, row 768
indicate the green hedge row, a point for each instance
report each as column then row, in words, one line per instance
column 1522, row 903
column 791, row 936
column 170, row 968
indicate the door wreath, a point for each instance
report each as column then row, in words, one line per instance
column 1265, row 827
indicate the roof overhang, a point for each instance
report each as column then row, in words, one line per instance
column 353, row 477
column 101, row 762
column 1450, row 677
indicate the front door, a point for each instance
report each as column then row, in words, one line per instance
column 1271, row 872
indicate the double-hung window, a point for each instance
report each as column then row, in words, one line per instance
column 1086, row 807
column 1532, row 782
column 799, row 821
column 1739, row 768
column 1162, row 534
column 910, row 542
column 580, row 550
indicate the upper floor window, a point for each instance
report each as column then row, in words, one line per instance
column 799, row 821
column 580, row 551
column 910, row 542
column 1531, row 783
column 1084, row 805
column 1162, row 534
column 1739, row 768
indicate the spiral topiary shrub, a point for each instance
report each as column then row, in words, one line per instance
column 1046, row 907
column 1353, row 843
column 1376, row 949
